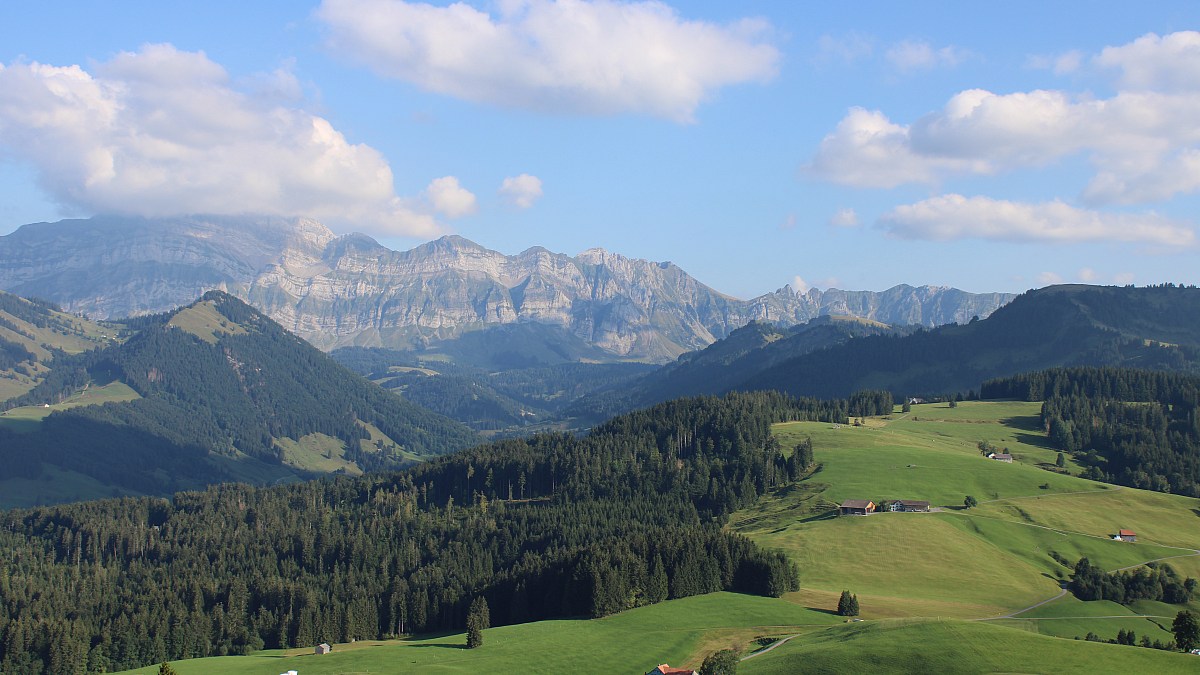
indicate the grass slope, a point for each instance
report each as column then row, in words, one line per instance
column 27, row 418
column 986, row 562
column 678, row 632
column 948, row 646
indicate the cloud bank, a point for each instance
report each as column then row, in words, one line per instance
column 562, row 56
column 953, row 216
column 1143, row 142
column 162, row 131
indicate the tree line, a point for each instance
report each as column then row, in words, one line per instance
column 1131, row 427
column 549, row 526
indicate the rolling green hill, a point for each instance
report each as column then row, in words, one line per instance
column 991, row 562
column 210, row 393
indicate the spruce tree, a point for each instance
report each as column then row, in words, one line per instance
column 478, row 619
column 844, row 606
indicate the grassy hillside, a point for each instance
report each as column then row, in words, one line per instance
column 948, row 646
column 987, row 562
column 678, row 632
column 682, row 632
column 32, row 332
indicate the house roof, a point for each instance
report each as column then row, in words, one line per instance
column 664, row 669
column 1127, row 533
column 857, row 503
column 1003, row 455
column 913, row 502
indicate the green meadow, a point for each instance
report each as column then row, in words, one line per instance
column 27, row 418
column 678, row 632
column 951, row 646
column 987, row 562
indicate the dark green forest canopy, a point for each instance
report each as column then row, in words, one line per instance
column 553, row 525
column 1131, row 427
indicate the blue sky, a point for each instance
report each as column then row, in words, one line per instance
column 987, row 146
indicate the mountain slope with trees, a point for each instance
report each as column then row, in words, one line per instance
column 1130, row 427
column 1154, row 327
column 221, row 388
column 550, row 526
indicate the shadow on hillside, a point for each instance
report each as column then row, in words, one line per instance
column 1034, row 440
column 443, row 646
column 1197, row 512
column 1026, row 422
column 828, row 515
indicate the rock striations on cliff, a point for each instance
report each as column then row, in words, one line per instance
column 350, row 290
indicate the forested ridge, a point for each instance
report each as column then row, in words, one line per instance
column 229, row 398
column 1154, row 327
column 1131, row 427
column 553, row 525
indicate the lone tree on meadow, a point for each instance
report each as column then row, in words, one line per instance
column 478, row 619
column 847, row 604
column 1186, row 630
column 970, row 502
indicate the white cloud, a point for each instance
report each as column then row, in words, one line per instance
column 521, row 191
column 1144, row 145
column 449, row 198
column 1088, row 275
column 1061, row 64
column 1153, row 62
column 845, row 218
column 799, row 285
column 596, row 58
column 868, row 150
column 912, row 55
column 848, row 48
column 162, row 131
column 952, row 217
column 1049, row 278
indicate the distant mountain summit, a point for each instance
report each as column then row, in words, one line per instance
column 350, row 290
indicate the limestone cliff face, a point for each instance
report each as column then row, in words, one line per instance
column 350, row 290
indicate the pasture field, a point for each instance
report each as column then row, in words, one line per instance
column 317, row 453
column 678, row 632
column 27, row 418
column 205, row 322
column 949, row 646
column 988, row 562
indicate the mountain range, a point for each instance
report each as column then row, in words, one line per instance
column 350, row 290
column 1155, row 327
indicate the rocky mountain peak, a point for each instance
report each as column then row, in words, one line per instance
column 346, row 290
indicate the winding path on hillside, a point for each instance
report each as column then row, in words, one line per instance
column 773, row 645
column 1191, row 552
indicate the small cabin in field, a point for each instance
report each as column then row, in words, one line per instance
column 1125, row 535
column 1001, row 457
column 910, row 506
column 857, row 507
column 323, row 648
column 664, row 669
